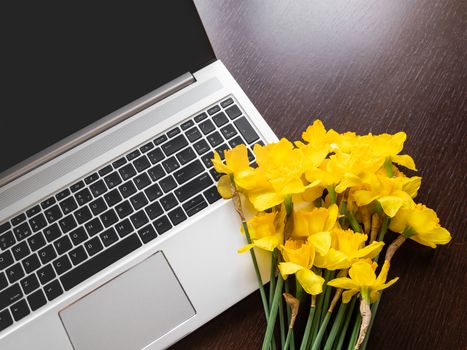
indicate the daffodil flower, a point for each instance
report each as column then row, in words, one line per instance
column 420, row 224
column 363, row 280
column 298, row 259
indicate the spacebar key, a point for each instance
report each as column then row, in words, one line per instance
column 100, row 262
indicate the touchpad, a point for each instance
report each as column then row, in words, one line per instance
column 130, row 311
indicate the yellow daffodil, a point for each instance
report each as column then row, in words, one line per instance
column 420, row 224
column 317, row 136
column 298, row 259
column 363, row 279
column 266, row 230
column 316, row 226
column 346, row 248
column 392, row 193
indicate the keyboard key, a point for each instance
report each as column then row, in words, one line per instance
column 124, row 228
column 14, row 272
column 78, row 236
column 83, row 196
column 207, row 159
column 133, row 155
column 20, row 310
column 22, row 231
column 146, row 147
column 200, row 117
column 68, row 205
column 67, row 223
column 195, row 205
column 93, row 246
column 31, row 263
column 206, row 127
column 189, row 171
column 5, row 226
column 97, row 206
column 233, row 112
column 105, row 170
column 153, row 192
column 160, row 140
column 62, row 265
column 33, row 211
column 119, row 162
column 112, row 180
column 6, row 259
column 156, row 156
column 170, row 164
column 138, row 200
column 93, row 227
column 38, row 222
column 98, row 188
column 46, row 274
column 7, row 240
column 147, row 233
column 177, row 216
column 127, row 172
column 53, row 290
column 63, row 194
column 5, row 320
column 29, row 283
column 112, row 197
column 173, row 132
column 220, row 119
column 47, row 254
column 124, row 209
column 236, row 141
column 52, row 214
column 83, row 215
column 221, row 150
column 139, row 219
column 193, row 134
column 3, row 280
column 52, row 232
column 109, row 218
column 162, row 225
column 127, row 189
column 63, row 245
column 167, row 183
column 201, row 146
column 10, row 295
column 213, row 110
column 20, row 250
column 186, row 155
column 142, row 163
column 246, row 130
column 193, row 187
column 215, row 175
column 18, row 219
column 154, row 210
column 169, row 202
column 227, row 102
column 174, row 145
column 37, row 241
column 48, row 202
column 109, row 236
column 215, row 139
column 36, row 300
column 77, row 255
column 187, row 124
column 91, row 178
column 77, row 186
column 156, row 172
column 100, row 261
column 142, row 180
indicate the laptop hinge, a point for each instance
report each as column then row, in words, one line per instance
column 96, row 128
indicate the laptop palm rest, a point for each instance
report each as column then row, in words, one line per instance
column 130, row 311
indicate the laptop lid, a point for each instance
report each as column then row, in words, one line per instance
column 65, row 66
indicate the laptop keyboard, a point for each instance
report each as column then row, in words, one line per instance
column 67, row 238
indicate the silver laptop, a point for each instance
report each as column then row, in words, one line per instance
column 112, row 233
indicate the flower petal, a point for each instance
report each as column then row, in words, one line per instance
column 224, row 187
column 287, row 268
column 343, row 282
column 404, row 160
column 362, row 274
column 311, row 282
column 265, row 200
column 333, row 260
column 245, row 248
column 390, row 204
column 348, row 294
column 369, row 251
column 321, row 241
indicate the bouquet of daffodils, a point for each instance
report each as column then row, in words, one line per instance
column 321, row 207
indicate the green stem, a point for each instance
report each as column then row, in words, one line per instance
column 353, row 222
column 332, row 194
column 258, row 274
column 374, row 309
column 355, row 330
column 336, row 326
column 322, row 329
column 382, row 232
column 328, row 275
column 388, row 166
column 315, row 326
column 282, row 322
column 272, row 279
column 273, row 314
column 288, row 339
column 348, row 317
column 289, row 311
column 306, row 334
column 343, row 211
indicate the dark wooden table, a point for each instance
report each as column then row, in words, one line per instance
column 365, row 66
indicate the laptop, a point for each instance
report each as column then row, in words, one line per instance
column 112, row 232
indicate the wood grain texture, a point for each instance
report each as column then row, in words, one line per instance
column 365, row 66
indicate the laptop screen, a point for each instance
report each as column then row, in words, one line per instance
column 66, row 65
